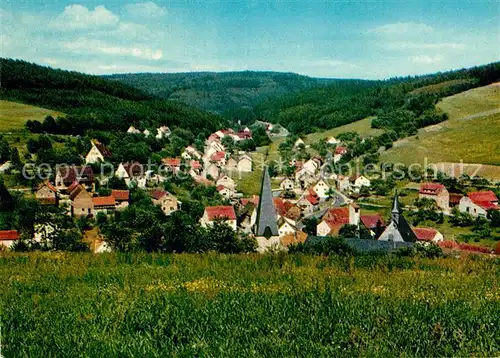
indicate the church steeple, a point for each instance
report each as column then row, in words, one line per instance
column 266, row 224
column 395, row 209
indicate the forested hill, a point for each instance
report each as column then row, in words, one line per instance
column 402, row 104
column 220, row 92
column 93, row 102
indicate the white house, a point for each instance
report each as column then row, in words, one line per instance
column 426, row 234
column 299, row 142
column 287, row 184
column 225, row 192
column 478, row 203
column 322, row 189
column 226, row 181
column 98, row 152
column 357, row 181
column 8, row 238
column 339, row 153
column 165, row 200
column 332, row 141
column 224, row 213
column 146, row 133
column 312, row 166
column 245, row 164
column 286, row 226
column 162, row 132
column 133, row 130
column 130, row 172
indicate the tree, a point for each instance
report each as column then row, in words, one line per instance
column 7, row 202
column 348, row 231
column 14, row 157
column 310, row 225
column 494, row 217
column 120, row 238
column 224, row 238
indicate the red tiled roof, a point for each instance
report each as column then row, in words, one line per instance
column 195, row 164
column 340, row 150
column 425, row 233
column 455, row 198
column 218, row 156
column 220, row 187
column 77, row 190
column 431, row 188
column 120, row 195
column 338, row 215
column 102, row 149
column 314, row 200
column 213, row 137
column 483, row 196
column 448, row 244
column 254, row 200
column 215, row 212
column 69, row 174
column 172, row 162
column 50, row 186
column 104, row 201
column 9, row 235
column 371, row 221
column 158, row 194
column 72, row 186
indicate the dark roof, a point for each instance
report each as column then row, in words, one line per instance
column 69, row 174
column 133, row 169
column 402, row 225
column 266, row 213
column 102, row 149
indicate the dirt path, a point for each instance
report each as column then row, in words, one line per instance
column 481, row 114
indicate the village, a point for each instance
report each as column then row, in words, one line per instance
column 307, row 195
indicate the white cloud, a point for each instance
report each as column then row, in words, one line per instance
column 102, row 47
column 79, row 17
column 402, row 28
column 147, row 9
column 425, row 59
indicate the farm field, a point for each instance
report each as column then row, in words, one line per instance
column 363, row 127
column 14, row 115
column 56, row 304
column 471, row 134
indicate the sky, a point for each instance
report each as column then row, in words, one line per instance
column 372, row 39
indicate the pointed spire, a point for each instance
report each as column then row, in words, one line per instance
column 395, row 208
column 266, row 213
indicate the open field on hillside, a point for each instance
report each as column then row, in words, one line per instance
column 363, row 127
column 13, row 115
column 471, row 134
column 249, row 305
column 249, row 183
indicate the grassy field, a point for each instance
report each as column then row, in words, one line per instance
column 213, row 305
column 462, row 137
column 249, row 183
column 363, row 127
column 13, row 115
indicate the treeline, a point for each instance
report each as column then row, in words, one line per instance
column 220, row 92
column 344, row 102
column 92, row 102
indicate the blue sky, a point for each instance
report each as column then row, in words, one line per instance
column 362, row 39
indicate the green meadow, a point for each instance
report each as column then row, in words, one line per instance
column 134, row 305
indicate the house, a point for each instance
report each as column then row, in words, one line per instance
column 81, row 202
column 195, row 168
column 312, row 165
column 398, row 230
column 339, row 153
column 304, row 178
column 104, row 204
column 426, row 234
column 287, row 184
column 226, row 181
column 309, row 202
column 455, row 199
column 231, row 165
column 357, row 181
column 245, row 164
column 298, row 143
column 130, row 172
column 332, row 141
column 226, row 192
column 219, row 158
column 224, row 213
column 335, row 218
column 286, row 226
column 266, row 227
column 374, row 223
column 478, row 203
column 165, row 200
column 46, row 193
column 247, row 214
column 162, row 132
column 8, row 238
column 436, row 192
column 245, row 134
column 67, row 175
column 343, row 183
column 121, row 198
column 146, row 133
column 133, row 130
column 173, row 165
column 212, row 170
column 98, row 152
column 321, row 189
